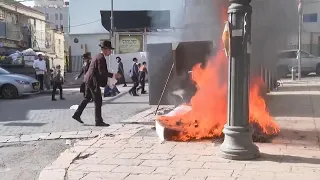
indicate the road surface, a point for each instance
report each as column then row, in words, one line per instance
column 38, row 114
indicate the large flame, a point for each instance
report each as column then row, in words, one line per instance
column 209, row 105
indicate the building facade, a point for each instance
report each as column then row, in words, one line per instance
column 310, row 38
column 131, row 35
column 21, row 27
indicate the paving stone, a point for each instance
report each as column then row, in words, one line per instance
column 147, row 177
column 95, row 167
column 134, row 169
column 224, row 166
column 185, row 157
column 156, row 163
column 188, row 178
column 136, row 150
column 186, row 164
column 105, row 176
column 155, row 156
column 63, row 161
column 128, row 155
column 4, row 139
column 125, row 162
column 170, row 171
column 262, row 173
column 15, row 139
column 54, row 135
column 209, row 172
column 76, row 175
column 55, row 174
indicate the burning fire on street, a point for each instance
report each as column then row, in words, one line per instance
column 206, row 114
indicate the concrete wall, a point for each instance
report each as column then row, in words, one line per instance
column 160, row 58
column 90, row 41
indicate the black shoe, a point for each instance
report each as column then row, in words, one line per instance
column 135, row 95
column 77, row 119
column 62, row 98
column 125, row 85
column 144, row 92
column 53, row 99
column 102, row 124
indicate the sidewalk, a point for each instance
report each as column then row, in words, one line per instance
column 133, row 152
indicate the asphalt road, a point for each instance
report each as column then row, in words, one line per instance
column 24, row 161
column 38, row 114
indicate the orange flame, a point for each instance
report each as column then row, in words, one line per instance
column 209, row 105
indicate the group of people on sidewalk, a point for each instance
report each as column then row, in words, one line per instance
column 138, row 74
column 96, row 75
column 56, row 77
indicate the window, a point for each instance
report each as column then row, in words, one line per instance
column 3, row 71
column 304, row 54
column 57, row 16
column 310, row 18
column 61, row 16
column 61, row 28
column 47, row 16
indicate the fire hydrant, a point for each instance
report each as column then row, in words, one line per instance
column 293, row 73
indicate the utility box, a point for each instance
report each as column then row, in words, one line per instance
column 184, row 55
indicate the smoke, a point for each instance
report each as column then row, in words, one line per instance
column 272, row 22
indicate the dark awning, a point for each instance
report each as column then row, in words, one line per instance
column 136, row 20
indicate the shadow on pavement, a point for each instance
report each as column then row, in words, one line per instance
column 288, row 159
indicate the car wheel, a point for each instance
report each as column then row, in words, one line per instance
column 9, row 92
column 318, row 70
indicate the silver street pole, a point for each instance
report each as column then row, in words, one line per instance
column 299, row 41
column 111, row 31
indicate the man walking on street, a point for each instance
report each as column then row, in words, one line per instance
column 121, row 72
column 96, row 77
column 134, row 74
column 142, row 77
column 57, row 81
column 41, row 68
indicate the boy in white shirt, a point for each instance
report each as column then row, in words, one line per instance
column 41, row 68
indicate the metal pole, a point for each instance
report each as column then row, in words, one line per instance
column 238, row 143
column 111, row 32
column 299, row 41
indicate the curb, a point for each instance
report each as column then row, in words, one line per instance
column 58, row 170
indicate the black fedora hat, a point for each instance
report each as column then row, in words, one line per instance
column 106, row 44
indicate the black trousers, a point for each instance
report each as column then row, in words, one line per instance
column 40, row 78
column 142, row 85
column 122, row 80
column 135, row 80
column 54, row 89
column 95, row 94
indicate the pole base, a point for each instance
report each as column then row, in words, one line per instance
column 238, row 144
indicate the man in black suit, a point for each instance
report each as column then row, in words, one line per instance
column 121, row 72
column 96, row 77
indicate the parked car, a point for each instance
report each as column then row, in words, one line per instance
column 289, row 59
column 16, row 85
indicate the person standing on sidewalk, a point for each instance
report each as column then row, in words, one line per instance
column 134, row 74
column 122, row 80
column 41, row 68
column 142, row 77
column 86, row 62
column 96, row 77
column 57, row 80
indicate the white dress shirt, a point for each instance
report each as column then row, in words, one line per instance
column 41, row 65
